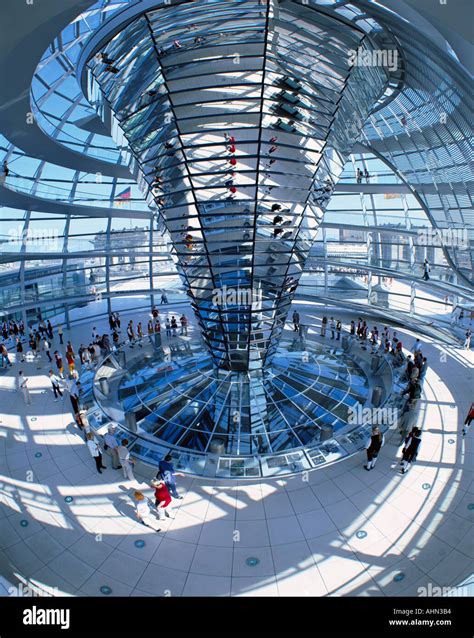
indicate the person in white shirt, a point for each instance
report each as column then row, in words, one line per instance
column 142, row 510
column 86, row 357
column 83, row 422
column 46, row 348
column 112, row 445
column 95, row 452
column 416, row 346
column 23, row 385
column 56, row 385
column 125, row 461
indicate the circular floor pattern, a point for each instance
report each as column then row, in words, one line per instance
column 296, row 416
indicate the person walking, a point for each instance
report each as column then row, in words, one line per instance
column 162, row 498
column 164, row 298
column 142, row 510
column 111, row 443
column 338, row 329
column 95, row 452
column 74, row 396
column 324, row 324
column 168, row 327
column 373, row 446
column 60, row 334
column 166, row 472
column 46, row 348
column 23, row 385
column 59, row 364
column 467, row 342
column 296, row 321
column 332, row 326
column 70, row 362
column 468, row 420
column 125, row 460
column 410, row 449
column 56, row 385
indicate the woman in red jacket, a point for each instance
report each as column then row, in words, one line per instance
column 162, row 498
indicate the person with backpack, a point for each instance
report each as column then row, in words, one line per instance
column 166, row 472
column 373, row 447
column 410, row 449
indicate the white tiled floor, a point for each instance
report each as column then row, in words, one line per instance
column 343, row 531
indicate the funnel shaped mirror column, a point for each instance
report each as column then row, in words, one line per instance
column 241, row 116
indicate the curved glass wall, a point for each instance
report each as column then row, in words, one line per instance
column 367, row 239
